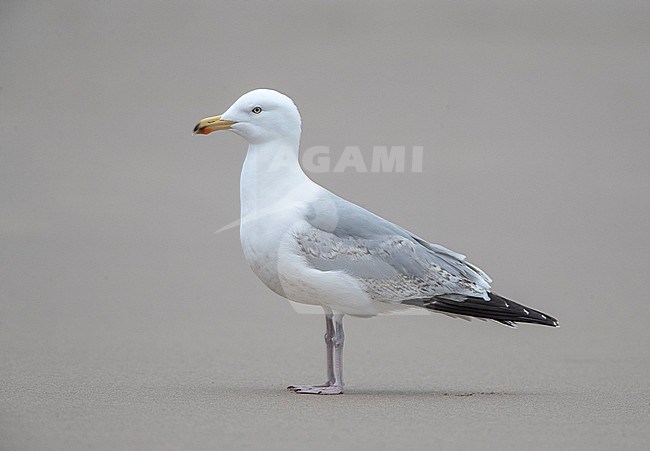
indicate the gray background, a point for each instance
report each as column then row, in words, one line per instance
column 126, row 322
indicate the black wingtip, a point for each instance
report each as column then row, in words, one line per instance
column 497, row 308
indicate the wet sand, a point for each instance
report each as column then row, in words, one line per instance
column 127, row 323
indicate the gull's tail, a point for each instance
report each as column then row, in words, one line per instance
column 497, row 309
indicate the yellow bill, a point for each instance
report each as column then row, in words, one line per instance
column 212, row 124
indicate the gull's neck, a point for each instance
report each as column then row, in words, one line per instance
column 271, row 176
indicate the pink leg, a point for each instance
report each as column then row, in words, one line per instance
column 334, row 343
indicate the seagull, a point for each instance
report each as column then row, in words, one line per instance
column 312, row 247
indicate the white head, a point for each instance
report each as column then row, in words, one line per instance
column 259, row 116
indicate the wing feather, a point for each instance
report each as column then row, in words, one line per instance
column 392, row 263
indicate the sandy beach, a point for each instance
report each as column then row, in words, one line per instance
column 126, row 322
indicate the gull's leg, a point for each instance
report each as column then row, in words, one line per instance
column 339, row 338
column 337, row 343
column 329, row 346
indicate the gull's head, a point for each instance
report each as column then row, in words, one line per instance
column 258, row 116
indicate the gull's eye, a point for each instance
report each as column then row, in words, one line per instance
column 257, row 110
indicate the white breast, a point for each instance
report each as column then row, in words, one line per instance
column 271, row 205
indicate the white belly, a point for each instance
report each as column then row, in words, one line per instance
column 260, row 238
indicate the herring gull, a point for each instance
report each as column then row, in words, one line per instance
column 313, row 247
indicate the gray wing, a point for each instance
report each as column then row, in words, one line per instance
column 392, row 263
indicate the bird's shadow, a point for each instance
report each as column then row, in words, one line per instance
column 425, row 393
column 418, row 393
column 387, row 392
